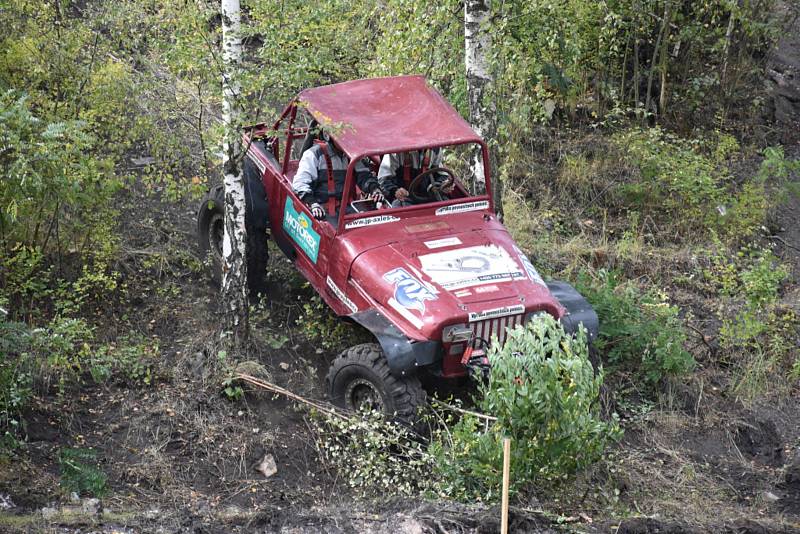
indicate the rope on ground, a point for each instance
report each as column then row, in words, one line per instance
column 325, row 408
column 462, row 410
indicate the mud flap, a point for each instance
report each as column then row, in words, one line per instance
column 403, row 355
column 579, row 311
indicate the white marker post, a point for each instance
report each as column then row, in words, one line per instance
column 506, row 479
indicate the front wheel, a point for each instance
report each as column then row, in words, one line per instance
column 360, row 379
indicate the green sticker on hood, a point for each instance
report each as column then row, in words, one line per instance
column 300, row 228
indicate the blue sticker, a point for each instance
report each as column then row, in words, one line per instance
column 299, row 227
column 408, row 291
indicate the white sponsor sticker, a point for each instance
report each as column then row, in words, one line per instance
column 341, row 296
column 533, row 274
column 470, row 266
column 371, row 221
column 463, row 293
column 496, row 312
column 405, row 312
column 461, row 208
column 253, row 155
column 444, row 242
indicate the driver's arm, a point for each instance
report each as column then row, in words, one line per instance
column 306, row 175
column 304, row 180
column 365, row 179
column 387, row 173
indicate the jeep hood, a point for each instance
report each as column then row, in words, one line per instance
column 423, row 284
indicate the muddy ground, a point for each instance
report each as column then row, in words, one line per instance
column 180, row 457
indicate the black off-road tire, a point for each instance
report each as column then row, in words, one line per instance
column 257, row 258
column 361, row 371
column 210, row 227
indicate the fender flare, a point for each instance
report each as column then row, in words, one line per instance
column 579, row 311
column 404, row 356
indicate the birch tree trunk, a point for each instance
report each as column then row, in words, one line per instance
column 477, row 45
column 234, row 264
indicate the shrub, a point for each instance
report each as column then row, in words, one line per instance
column 15, row 376
column 543, row 391
column 375, row 456
column 49, row 180
column 639, row 331
column 129, row 360
column 689, row 185
column 757, row 336
column 80, row 472
column 322, row 327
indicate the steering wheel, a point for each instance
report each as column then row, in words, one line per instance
column 436, row 186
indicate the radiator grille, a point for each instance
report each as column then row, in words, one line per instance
column 497, row 327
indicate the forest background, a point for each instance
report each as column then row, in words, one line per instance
column 645, row 153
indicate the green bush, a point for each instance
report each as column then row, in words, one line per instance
column 688, row 185
column 52, row 188
column 543, row 392
column 374, row 456
column 757, row 336
column 80, row 472
column 15, row 376
column 323, row 328
column 639, row 331
column 130, row 360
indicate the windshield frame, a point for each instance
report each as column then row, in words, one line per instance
column 349, row 186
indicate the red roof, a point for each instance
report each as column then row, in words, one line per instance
column 384, row 115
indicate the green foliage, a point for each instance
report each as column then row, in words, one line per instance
column 757, row 335
column 61, row 351
column 130, row 360
column 543, row 392
column 15, row 376
column 689, row 185
column 80, row 472
column 52, row 188
column 639, row 331
column 322, row 327
column 230, row 384
column 376, row 456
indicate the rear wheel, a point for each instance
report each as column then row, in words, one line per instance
column 360, row 379
column 210, row 231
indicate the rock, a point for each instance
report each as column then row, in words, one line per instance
column 90, row 506
column 768, row 496
column 284, row 366
column 143, row 161
column 49, row 513
column 410, row 525
column 267, row 467
column 5, row 502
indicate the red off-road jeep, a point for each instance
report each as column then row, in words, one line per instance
column 436, row 283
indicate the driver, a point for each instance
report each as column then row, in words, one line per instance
column 397, row 171
column 310, row 183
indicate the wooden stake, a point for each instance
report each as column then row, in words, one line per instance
column 506, row 477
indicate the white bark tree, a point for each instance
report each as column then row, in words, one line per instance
column 234, row 264
column 477, row 46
